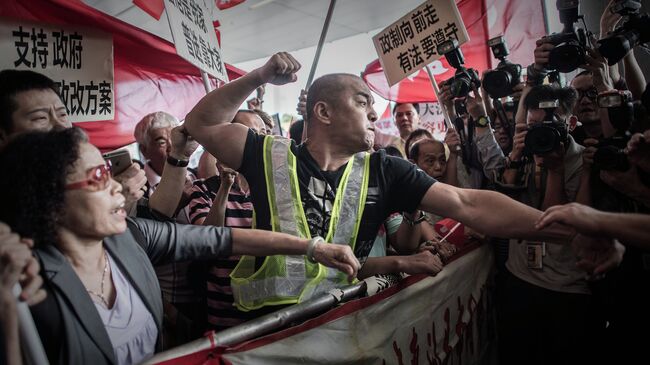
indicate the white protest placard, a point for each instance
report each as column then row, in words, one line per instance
column 79, row 60
column 411, row 43
column 194, row 36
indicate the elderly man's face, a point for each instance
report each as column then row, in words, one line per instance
column 158, row 146
column 38, row 110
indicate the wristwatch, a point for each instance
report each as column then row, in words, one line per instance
column 482, row 121
column 176, row 162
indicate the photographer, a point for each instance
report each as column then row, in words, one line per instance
column 634, row 78
column 558, row 319
column 481, row 155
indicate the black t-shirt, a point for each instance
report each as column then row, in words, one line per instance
column 395, row 185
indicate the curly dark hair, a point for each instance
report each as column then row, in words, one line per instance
column 566, row 97
column 32, row 184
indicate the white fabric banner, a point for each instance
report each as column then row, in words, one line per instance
column 423, row 320
column 410, row 43
column 194, row 36
column 79, row 60
column 432, row 119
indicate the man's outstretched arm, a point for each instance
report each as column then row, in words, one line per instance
column 209, row 121
column 491, row 213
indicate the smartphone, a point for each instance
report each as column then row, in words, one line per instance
column 120, row 160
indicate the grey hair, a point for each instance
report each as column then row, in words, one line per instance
column 151, row 121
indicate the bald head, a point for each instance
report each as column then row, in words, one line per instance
column 340, row 113
column 329, row 89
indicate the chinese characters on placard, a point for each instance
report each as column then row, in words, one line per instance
column 421, row 21
column 191, row 11
column 34, row 46
column 200, row 49
column 197, row 46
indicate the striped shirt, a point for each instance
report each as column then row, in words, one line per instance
column 239, row 214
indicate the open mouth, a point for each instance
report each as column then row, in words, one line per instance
column 119, row 210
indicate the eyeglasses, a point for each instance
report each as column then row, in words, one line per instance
column 590, row 93
column 99, row 178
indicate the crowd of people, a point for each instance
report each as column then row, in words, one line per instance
column 118, row 267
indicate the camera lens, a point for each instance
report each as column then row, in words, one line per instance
column 497, row 83
column 460, row 86
column 566, row 57
column 542, row 139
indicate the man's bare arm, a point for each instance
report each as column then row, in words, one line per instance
column 491, row 213
column 209, row 121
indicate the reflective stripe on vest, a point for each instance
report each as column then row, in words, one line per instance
column 291, row 279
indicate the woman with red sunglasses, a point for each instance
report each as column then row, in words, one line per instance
column 104, row 303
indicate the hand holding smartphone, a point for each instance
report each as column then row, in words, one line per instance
column 120, row 160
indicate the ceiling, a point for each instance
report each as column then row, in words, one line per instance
column 259, row 28
column 287, row 25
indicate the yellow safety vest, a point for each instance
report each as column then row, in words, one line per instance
column 293, row 279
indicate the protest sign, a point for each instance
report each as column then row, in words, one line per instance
column 194, row 36
column 78, row 59
column 410, row 43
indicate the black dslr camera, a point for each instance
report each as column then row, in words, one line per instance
column 634, row 31
column 570, row 45
column 610, row 153
column 465, row 78
column 500, row 81
column 546, row 136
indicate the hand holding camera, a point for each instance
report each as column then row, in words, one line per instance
column 597, row 64
column 465, row 78
column 452, row 140
column 589, row 152
column 638, row 150
column 446, row 98
column 475, row 106
column 609, row 19
column 519, row 143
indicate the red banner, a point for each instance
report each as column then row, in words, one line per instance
column 149, row 75
column 226, row 4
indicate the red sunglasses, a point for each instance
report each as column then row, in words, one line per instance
column 99, row 178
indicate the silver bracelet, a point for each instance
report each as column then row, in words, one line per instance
column 310, row 248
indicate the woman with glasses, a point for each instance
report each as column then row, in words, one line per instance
column 104, row 303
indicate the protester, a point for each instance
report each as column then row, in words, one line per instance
column 103, row 303
column 17, row 266
column 30, row 101
column 415, row 136
column 339, row 113
column 153, row 134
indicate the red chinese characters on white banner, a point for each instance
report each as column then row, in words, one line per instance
column 423, row 320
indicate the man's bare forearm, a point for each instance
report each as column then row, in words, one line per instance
column 165, row 198
column 514, row 219
column 631, row 229
column 491, row 213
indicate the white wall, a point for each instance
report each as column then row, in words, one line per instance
column 349, row 55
